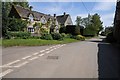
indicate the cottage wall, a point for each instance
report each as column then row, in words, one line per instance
column 117, row 23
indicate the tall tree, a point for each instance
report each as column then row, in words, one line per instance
column 6, row 7
column 78, row 21
column 96, row 23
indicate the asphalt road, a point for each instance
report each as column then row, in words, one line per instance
column 75, row 60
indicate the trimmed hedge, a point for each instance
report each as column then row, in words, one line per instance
column 18, row 34
column 57, row 36
column 46, row 36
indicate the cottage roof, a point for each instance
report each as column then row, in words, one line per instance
column 24, row 13
column 62, row 18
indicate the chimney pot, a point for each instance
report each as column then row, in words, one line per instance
column 64, row 13
column 54, row 15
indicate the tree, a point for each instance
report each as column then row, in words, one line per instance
column 78, row 21
column 6, row 7
column 96, row 23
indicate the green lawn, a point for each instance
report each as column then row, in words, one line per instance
column 34, row 42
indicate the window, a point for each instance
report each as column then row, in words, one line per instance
column 31, row 18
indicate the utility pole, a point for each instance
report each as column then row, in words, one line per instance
column 116, row 32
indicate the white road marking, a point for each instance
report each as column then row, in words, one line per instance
column 47, row 49
column 41, row 54
column 33, row 58
column 26, row 57
column 12, row 63
column 42, row 51
column 36, row 53
column 22, row 64
column 47, row 52
column 5, row 72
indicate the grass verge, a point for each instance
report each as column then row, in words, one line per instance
column 34, row 42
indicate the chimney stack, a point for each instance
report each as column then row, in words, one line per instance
column 31, row 8
column 54, row 15
column 64, row 13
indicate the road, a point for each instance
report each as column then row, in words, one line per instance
column 74, row 60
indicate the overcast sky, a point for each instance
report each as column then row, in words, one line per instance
column 105, row 9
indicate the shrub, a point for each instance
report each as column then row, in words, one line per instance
column 79, row 37
column 63, row 35
column 62, row 30
column 57, row 36
column 110, row 38
column 46, row 36
column 16, row 24
column 73, row 29
column 18, row 34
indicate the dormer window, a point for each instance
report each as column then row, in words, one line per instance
column 31, row 19
column 43, row 20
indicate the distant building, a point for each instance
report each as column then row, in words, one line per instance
column 117, row 22
column 36, row 17
column 64, row 19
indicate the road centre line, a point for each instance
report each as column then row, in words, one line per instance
column 36, row 53
column 5, row 72
column 22, row 64
column 42, row 51
column 12, row 62
column 33, row 58
column 26, row 57
column 41, row 54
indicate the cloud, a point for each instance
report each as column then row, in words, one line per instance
column 107, row 19
column 103, row 6
column 53, row 10
column 72, row 0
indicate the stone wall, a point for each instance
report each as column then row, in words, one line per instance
column 117, row 23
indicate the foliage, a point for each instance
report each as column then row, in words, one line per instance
column 6, row 7
column 110, row 38
column 46, row 36
column 57, row 36
column 78, row 21
column 73, row 29
column 43, row 30
column 92, row 23
column 63, row 35
column 16, row 24
column 20, row 34
column 79, row 37
column 96, row 23
column 62, row 30
column 89, row 31
column 108, row 30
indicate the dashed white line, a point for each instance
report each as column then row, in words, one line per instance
column 5, row 72
column 42, row 51
column 33, row 58
column 12, row 63
column 26, row 57
column 41, row 54
column 47, row 49
column 47, row 52
column 36, row 53
column 22, row 64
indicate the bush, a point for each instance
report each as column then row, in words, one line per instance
column 110, row 38
column 57, row 36
column 62, row 30
column 18, row 34
column 73, row 29
column 79, row 37
column 63, row 35
column 34, row 37
column 16, row 24
column 46, row 36
column 89, row 32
